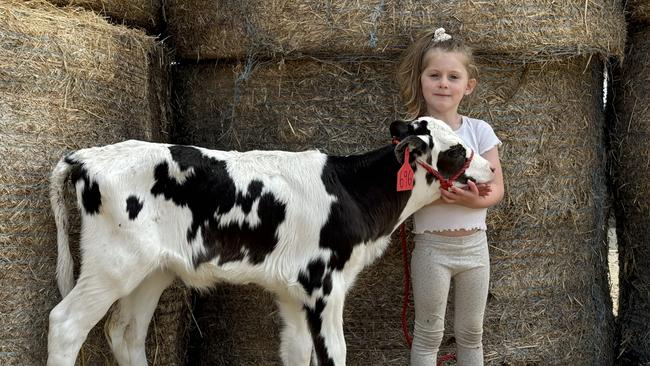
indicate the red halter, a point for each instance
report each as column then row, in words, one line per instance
column 447, row 183
column 444, row 182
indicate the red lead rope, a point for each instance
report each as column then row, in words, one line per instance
column 405, row 301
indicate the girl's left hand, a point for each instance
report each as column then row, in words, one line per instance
column 469, row 196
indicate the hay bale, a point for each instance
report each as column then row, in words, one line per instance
column 638, row 10
column 68, row 80
column 541, row 310
column 551, row 221
column 630, row 185
column 237, row 325
column 298, row 105
column 146, row 14
column 526, row 30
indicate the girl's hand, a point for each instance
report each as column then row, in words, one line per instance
column 483, row 188
column 469, row 196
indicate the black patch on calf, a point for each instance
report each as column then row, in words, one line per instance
column 254, row 191
column 312, row 278
column 451, row 160
column 367, row 205
column 327, row 284
column 401, row 130
column 133, row 207
column 421, row 129
column 315, row 325
column 91, row 198
column 210, row 192
column 227, row 241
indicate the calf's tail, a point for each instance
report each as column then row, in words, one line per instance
column 64, row 263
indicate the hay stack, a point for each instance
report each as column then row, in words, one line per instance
column 630, row 185
column 298, row 105
column 145, row 14
column 68, row 80
column 531, row 30
column 549, row 299
column 551, row 221
column 639, row 10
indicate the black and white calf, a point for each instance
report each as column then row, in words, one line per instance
column 301, row 225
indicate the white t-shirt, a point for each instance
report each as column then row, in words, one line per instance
column 479, row 135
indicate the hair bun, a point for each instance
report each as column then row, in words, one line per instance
column 440, row 35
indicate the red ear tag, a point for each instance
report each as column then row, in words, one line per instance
column 405, row 174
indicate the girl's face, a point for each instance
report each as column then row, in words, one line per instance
column 445, row 81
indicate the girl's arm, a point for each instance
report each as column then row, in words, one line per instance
column 475, row 197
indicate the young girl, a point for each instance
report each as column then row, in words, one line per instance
column 437, row 71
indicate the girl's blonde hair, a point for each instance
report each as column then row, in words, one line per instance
column 412, row 64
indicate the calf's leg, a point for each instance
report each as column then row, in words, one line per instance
column 325, row 319
column 296, row 344
column 128, row 324
column 81, row 309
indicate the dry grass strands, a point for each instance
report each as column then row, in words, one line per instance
column 550, row 223
column 337, row 107
column 526, row 30
column 630, row 185
column 141, row 13
column 541, row 308
column 639, row 10
column 549, row 298
column 68, row 79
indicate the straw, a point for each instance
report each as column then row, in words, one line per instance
column 630, row 173
column 68, row 80
column 549, row 301
column 531, row 30
column 145, row 14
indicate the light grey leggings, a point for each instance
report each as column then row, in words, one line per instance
column 435, row 261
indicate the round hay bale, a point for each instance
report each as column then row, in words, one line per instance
column 526, row 30
column 552, row 220
column 68, row 80
column 145, row 14
column 630, row 185
column 638, row 10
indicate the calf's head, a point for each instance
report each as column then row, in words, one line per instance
column 432, row 142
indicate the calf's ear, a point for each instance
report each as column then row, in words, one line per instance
column 416, row 146
column 399, row 130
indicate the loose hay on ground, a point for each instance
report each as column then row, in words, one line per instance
column 551, row 221
column 532, row 30
column 68, row 80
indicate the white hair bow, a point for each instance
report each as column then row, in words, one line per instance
column 439, row 35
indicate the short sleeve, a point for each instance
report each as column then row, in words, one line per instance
column 487, row 139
